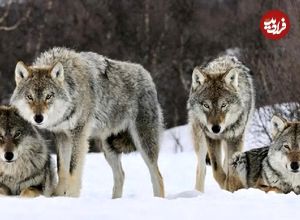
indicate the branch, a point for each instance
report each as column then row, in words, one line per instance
column 2, row 18
column 17, row 24
column 263, row 121
column 177, row 142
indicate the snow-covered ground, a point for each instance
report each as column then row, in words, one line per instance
column 177, row 162
column 181, row 201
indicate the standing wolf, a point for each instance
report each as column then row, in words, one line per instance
column 220, row 104
column 275, row 167
column 71, row 93
column 25, row 164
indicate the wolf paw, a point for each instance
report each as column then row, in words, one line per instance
column 4, row 191
column 60, row 190
column 65, row 190
column 233, row 183
column 30, row 192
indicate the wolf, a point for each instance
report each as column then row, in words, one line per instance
column 76, row 94
column 220, row 105
column 26, row 168
column 275, row 167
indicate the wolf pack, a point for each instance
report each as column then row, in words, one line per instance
column 82, row 95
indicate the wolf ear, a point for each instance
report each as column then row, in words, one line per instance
column 278, row 124
column 198, row 78
column 21, row 72
column 57, row 72
column 232, row 78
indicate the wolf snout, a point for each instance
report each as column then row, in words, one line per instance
column 9, row 156
column 295, row 166
column 216, row 128
column 38, row 118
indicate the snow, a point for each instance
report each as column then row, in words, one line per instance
column 181, row 202
column 177, row 163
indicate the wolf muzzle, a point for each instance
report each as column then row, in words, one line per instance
column 38, row 118
column 294, row 166
column 9, row 156
column 216, row 128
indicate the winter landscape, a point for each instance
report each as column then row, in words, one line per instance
column 170, row 39
column 181, row 202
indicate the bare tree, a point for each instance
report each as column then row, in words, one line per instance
column 169, row 38
column 11, row 27
column 260, row 128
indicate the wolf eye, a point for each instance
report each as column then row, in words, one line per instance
column 17, row 134
column 223, row 105
column 29, row 97
column 1, row 138
column 49, row 96
column 205, row 105
column 286, row 146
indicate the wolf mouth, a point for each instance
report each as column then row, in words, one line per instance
column 10, row 161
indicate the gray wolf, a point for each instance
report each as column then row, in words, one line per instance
column 25, row 164
column 274, row 167
column 76, row 94
column 220, row 105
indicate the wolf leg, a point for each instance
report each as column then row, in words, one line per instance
column 233, row 182
column 64, row 151
column 80, row 147
column 30, row 192
column 146, row 142
column 50, row 180
column 201, row 152
column 114, row 160
column 71, row 150
column 215, row 155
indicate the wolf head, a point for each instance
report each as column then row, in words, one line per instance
column 214, row 95
column 284, row 152
column 14, row 134
column 39, row 94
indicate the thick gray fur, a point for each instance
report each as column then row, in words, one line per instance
column 222, row 94
column 269, row 168
column 32, row 167
column 113, row 100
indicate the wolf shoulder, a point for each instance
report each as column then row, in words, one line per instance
column 249, row 165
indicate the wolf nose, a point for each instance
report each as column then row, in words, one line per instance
column 38, row 118
column 216, row 129
column 294, row 166
column 9, row 156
